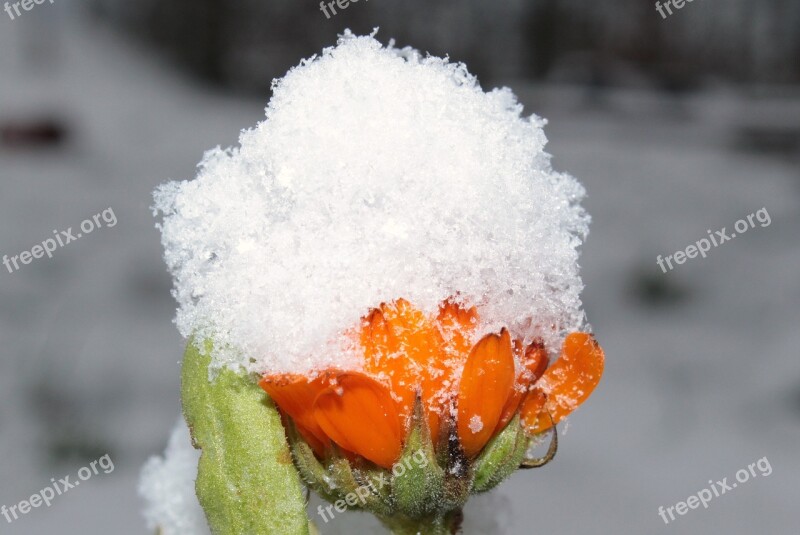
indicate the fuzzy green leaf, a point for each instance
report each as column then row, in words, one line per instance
column 246, row 482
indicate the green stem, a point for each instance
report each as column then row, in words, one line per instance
column 448, row 524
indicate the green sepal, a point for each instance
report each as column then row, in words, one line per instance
column 378, row 482
column 338, row 477
column 246, row 482
column 440, row 524
column 355, row 482
column 501, row 457
column 311, row 470
column 340, row 472
column 419, row 480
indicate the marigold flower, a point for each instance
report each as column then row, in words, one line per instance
column 439, row 190
column 424, row 375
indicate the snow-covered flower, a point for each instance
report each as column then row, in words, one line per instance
column 393, row 255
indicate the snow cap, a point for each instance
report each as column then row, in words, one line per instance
column 377, row 174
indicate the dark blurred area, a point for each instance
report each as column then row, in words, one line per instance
column 245, row 44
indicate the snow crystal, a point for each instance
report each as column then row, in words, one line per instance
column 167, row 486
column 377, row 174
column 475, row 424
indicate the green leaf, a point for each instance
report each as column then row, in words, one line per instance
column 246, row 482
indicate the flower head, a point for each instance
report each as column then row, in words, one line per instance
column 428, row 375
column 381, row 173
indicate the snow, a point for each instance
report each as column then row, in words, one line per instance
column 378, row 174
column 694, row 389
column 475, row 424
column 167, row 486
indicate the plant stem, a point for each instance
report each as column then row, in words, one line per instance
column 448, row 524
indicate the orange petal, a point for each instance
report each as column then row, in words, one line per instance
column 295, row 395
column 457, row 325
column 486, row 384
column 359, row 414
column 533, row 414
column 386, row 340
column 416, row 336
column 570, row 380
column 404, row 346
column 534, row 362
column 511, row 406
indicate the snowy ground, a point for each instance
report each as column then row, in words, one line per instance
column 703, row 375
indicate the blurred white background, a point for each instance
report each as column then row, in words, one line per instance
column 670, row 137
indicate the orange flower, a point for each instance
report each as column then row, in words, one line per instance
column 470, row 391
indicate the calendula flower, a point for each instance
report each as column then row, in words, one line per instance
column 391, row 254
column 465, row 395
